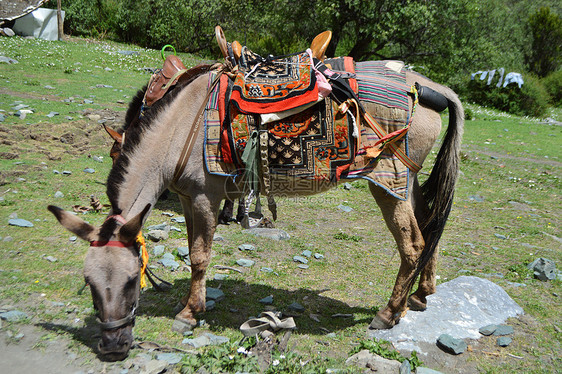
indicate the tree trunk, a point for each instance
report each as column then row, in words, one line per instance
column 59, row 20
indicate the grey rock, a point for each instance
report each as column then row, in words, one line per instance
column 162, row 226
column 300, row 259
column 55, row 171
column 178, row 219
column 405, row 368
column 487, row 330
column 303, row 266
column 215, row 294
column 66, row 172
column 366, row 359
column 48, row 87
column 201, row 341
column 306, row 253
column 59, row 194
column 158, row 250
column 458, row 307
column 7, row 60
column 210, row 305
column 500, row 236
column 218, row 238
column 181, row 327
column 174, row 228
column 20, row 222
column 424, row 370
column 345, row 208
column 274, row 234
column 246, row 247
column 73, row 238
column 20, row 107
column 216, row 339
column 451, row 345
column 318, row 256
column 128, row 53
column 296, row 307
column 2, row 117
column 543, row 269
column 347, row 186
column 89, row 171
column 183, row 251
column 157, row 235
column 88, row 101
column 476, row 198
column 170, row 358
column 220, row 277
column 245, row 263
column 168, row 256
column 504, row 341
column 13, row 316
column 503, row 330
column 268, row 300
column 266, row 270
column 52, row 114
column 50, row 258
column 171, row 264
column 154, row 367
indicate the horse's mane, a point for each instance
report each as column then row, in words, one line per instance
column 134, row 136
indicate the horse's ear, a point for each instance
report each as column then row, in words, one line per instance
column 129, row 231
column 74, row 224
column 114, row 134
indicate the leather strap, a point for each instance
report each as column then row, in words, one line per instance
column 191, row 137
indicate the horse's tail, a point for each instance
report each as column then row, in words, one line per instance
column 438, row 190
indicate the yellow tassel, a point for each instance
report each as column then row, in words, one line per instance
column 144, row 259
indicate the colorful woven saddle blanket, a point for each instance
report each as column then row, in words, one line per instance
column 270, row 85
column 318, row 143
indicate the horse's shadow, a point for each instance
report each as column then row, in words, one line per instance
column 242, row 302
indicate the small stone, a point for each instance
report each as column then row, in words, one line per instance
column 296, row 307
column 198, row 342
column 66, row 172
column 218, row 238
column 157, row 235
column 274, row 234
column 13, row 316
column 405, row 368
column 52, row 114
column 504, row 341
column 48, row 87
column 215, row 294
column 178, row 219
column 73, row 238
column 220, row 277
column 300, row 259
column 303, row 266
column 50, row 258
column 306, row 253
column 183, row 251
column 451, row 345
column 7, row 60
column 245, row 263
column 20, row 222
column 216, row 339
column 266, row 270
column 347, row 186
column 503, row 330
column 154, row 367
column 171, row 264
column 246, row 247
column 487, row 330
column 268, row 300
column 543, row 269
column 158, row 250
column 92, row 116
column 89, row 171
column 174, row 228
column 500, row 236
column 181, row 327
column 476, row 198
column 162, row 226
column 345, row 208
column 318, row 256
column 170, row 358
column 59, row 194
column 210, row 305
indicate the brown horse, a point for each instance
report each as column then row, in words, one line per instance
column 147, row 166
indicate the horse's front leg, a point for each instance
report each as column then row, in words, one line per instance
column 200, row 216
column 401, row 221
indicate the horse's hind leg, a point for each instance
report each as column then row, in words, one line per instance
column 200, row 215
column 417, row 300
column 401, row 221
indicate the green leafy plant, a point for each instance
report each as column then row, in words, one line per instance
column 383, row 348
column 345, row 236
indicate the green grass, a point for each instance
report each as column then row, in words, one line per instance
column 512, row 163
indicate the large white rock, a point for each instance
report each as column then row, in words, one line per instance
column 458, row 308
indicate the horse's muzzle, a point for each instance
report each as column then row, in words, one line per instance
column 114, row 345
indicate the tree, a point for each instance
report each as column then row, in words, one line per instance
column 546, row 49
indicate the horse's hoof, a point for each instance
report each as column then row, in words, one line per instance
column 415, row 304
column 379, row 324
column 182, row 325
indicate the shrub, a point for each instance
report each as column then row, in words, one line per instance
column 530, row 100
column 553, row 85
column 90, row 18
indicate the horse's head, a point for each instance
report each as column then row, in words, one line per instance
column 112, row 270
column 118, row 142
